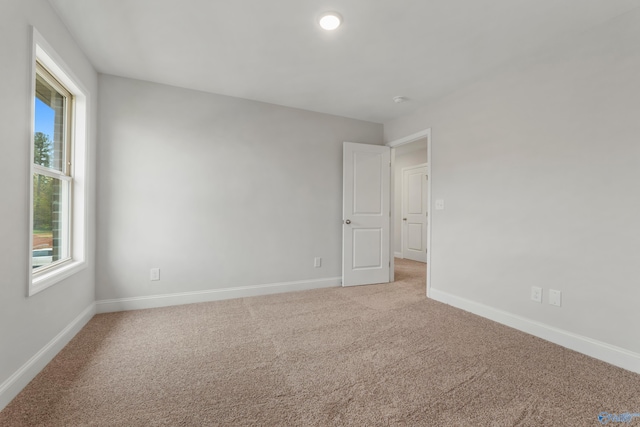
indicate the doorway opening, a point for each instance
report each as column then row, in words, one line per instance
column 411, row 178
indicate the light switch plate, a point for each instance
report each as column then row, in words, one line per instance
column 439, row 204
column 555, row 297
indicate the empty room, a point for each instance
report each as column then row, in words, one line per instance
column 362, row 212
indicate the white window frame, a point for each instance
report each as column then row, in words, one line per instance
column 53, row 63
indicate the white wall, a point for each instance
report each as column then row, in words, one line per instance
column 28, row 324
column 217, row 192
column 406, row 156
column 539, row 167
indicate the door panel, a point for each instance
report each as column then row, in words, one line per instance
column 414, row 213
column 414, row 237
column 367, row 178
column 366, row 248
column 366, row 214
column 415, row 194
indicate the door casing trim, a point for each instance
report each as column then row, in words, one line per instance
column 426, row 133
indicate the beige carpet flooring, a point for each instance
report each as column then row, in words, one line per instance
column 365, row 356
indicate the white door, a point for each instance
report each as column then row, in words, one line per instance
column 414, row 213
column 366, row 214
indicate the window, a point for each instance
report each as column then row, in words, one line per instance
column 52, row 178
column 58, row 149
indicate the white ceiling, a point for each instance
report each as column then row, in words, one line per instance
column 274, row 51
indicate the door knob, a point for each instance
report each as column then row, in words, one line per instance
column 404, row 219
column 348, row 221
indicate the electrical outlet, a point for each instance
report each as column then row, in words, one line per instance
column 555, row 297
column 536, row 294
column 317, row 262
column 439, row 204
column 154, row 274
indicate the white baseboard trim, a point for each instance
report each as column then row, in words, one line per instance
column 397, row 254
column 597, row 349
column 165, row 300
column 19, row 380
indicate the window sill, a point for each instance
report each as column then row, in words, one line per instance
column 43, row 281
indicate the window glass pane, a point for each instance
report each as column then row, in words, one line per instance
column 49, row 126
column 50, row 220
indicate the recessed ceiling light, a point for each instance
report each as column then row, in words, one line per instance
column 330, row 20
column 399, row 99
